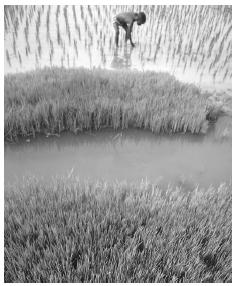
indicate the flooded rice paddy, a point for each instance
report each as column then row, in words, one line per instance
column 131, row 156
column 193, row 43
column 59, row 229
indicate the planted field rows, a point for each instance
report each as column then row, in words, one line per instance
column 178, row 39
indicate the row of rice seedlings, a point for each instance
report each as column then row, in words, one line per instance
column 48, row 24
column 16, row 26
column 12, row 13
column 76, row 24
column 51, row 51
column 153, row 106
column 117, row 232
column 227, row 61
column 59, row 39
column 38, row 22
column 6, row 19
column 21, row 13
column 26, row 32
column 64, row 48
column 212, row 43
column 90, row 11
column 14, row 45
column 226, row 74
column 19, row 58
column 30, row 13
column 68, row 60
column 8, row 58
column 37, row 62
column 75, row 47
column 190, row 50
column 67, row 23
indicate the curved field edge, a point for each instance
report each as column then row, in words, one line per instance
column 58, row 99
column 68, row 231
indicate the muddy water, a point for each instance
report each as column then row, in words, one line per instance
column 130, row 155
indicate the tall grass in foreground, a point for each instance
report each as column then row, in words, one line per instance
column 67, row 231
column 54, row 100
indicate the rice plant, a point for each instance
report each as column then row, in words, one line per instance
column 67, row 23
column 59, row 40
column 51, row 51
column 92, row 99
column 26, row 32
column 8, row 58
column 75, row 47
column 19, row 58
column 77, row 27
column 48, row 24
column 70, row 231
column 14, row 45
column 38, row 22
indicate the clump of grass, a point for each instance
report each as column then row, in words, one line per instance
column 67, row 231
column 60, row 99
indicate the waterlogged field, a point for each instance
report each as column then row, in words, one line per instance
column 191, row 42
column 89, row 132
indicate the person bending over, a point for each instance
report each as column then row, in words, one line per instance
column 126, row 21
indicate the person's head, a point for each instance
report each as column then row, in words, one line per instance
column 141, row 18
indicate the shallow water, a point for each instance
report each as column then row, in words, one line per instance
column 130, row 156
column 191, row 42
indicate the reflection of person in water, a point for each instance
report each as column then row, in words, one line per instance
column 123, row 61
column 126, row 21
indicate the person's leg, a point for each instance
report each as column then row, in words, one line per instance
column 126, row 30
column 116, row 28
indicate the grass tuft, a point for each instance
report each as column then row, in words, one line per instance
column 58, row 99
column 67, row 231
